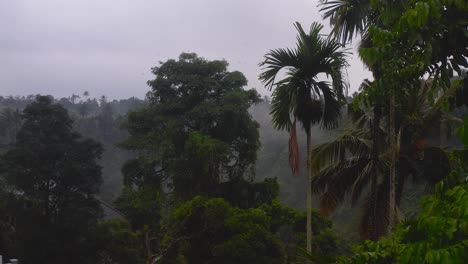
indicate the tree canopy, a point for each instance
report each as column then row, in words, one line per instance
column 196, row 131
column 53, row 176
column 186, row 155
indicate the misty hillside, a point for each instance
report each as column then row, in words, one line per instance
column 102, row 120
column 252, row 132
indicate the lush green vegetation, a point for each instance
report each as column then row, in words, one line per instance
column 438, row 234
column 198, row 173
column 51, row 177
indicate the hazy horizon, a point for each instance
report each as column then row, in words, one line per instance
column 108, row 47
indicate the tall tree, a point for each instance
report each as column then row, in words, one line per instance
column 206, row 230
column 196, row 132
column 437, row 234
column 55, row 172
column 344, row 165
column 412, row 39
column 300, row 95
column 348, row 19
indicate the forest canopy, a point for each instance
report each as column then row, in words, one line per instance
column 205, row 170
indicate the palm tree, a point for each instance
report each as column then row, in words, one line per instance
column 345, row 166
column 301, row 96
column 349, row 18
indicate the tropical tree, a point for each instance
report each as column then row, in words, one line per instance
column 301, row 96
column 344, row 165
column 195, row 137
column 205, row 230
column 115, row 242
column 196, row 131
column 348, row 19
column 53, row 173
column 437, row 235
column 412, row 39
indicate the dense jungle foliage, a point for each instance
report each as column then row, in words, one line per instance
column 205, row 170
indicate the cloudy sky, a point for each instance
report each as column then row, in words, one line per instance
column 60, row 47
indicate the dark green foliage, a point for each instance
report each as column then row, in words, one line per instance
column 437, row 235
column 141, row 207
column 101, row 123
column 8, row 204
column 462, row 131
column 146, row 206
column 344, row 165
column 54, row 160
column 288, row 224
column 196, row 136
column 207, row 230
column 244, row 194
column 414, row 39
column 116, row 243
column 196, row 131
column 414, row 49
column 271, row 161
column 53, row 176
column 212, row 231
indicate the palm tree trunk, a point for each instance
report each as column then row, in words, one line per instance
column 375, row 159
column 393, row 153
column 309, row 195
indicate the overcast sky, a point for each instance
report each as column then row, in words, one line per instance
column 60, row 47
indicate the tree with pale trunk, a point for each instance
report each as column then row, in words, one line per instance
column 302, row 96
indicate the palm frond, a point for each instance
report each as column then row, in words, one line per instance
column 331, row 106
column 276, row 60
column 361, row 181
column 366, row 84
column 347, row 17
column 336, row 180
column 351, row 143
column 340, row 85
column 283, row 102
column 309, row 47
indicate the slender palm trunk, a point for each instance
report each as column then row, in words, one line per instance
column 393, row 153
column 309, row 195
column 375, row 159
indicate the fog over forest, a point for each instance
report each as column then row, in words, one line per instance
column 108, row 47
column 226, row 132
column 102, row 120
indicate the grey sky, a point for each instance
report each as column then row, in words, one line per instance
column 108, row 46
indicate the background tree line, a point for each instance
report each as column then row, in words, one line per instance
column 197, row 171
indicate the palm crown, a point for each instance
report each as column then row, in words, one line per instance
column 300, row 94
